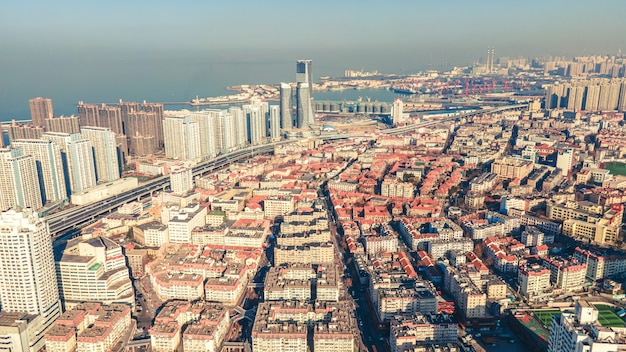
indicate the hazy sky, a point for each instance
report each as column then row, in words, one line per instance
column 72, row 50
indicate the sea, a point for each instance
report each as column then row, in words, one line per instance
column 153, row 82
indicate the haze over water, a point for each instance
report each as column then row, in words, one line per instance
column 69, row 50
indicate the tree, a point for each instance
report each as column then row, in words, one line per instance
column 479, row 249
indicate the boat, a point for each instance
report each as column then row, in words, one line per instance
column 404, row 90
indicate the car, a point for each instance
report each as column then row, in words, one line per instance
column 381, row 338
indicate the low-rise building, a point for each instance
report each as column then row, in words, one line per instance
column 406, row 333
column 533, row 280
column 89, row 327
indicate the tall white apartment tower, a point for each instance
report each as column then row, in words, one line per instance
column 182, row 138
column 19, row 180
column 51, row 173
column 256, row 120
column 241, row 125
column 105, row 151
column 28, row 281
column 207, row 128
column 79, row 164
column 397, row 113
column 274, row 122
column 229, row 135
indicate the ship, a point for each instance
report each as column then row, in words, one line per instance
column 404, row 90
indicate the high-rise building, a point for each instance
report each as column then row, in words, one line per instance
column 40, row 110
column 157, row 122
column 274, row 122
column 229, row 135
column 66, row 124
column 304, row 105
column 256, row 120
column 622, row 97
column 286, row 106
column 575, row 98
column 105, row 152
column 397, row 113
column 207, row 126
column 19, row 179
column 110, row 117
column 50, row 167
column 143, row 124
column 182, row 138
column 592, row 99
column 22, row 131
column 88, row 114
column 181, row 180
column 242, row 125
column 79, row 162
column 304, row 93
column 28, row 282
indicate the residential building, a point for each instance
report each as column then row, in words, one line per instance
column 28, row 283
column 51, row 172
column 93, row 270
column 107, row 161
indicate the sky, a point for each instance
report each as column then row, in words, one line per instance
column 103, row 50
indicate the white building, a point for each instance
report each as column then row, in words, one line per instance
column 181, row 221
column 93, row 270
column 78, row 153
column 565, row 161
column 397, row 113
column 48, row 155
column 181, row 180
column 105, row 152
column 19, row 180
column 182, row 138
column 28, row 282
column 580, row 331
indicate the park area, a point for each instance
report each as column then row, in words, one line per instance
column 616, row 168
column 531, row 321
column 607, row 316
column 545, row 317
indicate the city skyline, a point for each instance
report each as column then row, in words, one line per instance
column 187, row 55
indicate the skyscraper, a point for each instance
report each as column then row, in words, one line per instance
column 157, row 124
column 40, row 110
column 182, row 138
column 88, row 114
column 28, row 281
column 78, row 158
column 66, row 124
column 242, row 125
column 304, row 93
column 207, row 126
column 256, row 113
column 19, row 179
column 21, row 131
column 49, row 166
column 105, row 151
column 304, row 106
column 397, row 113
column 286, row 106
column 274, row 122
column 229, row 135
